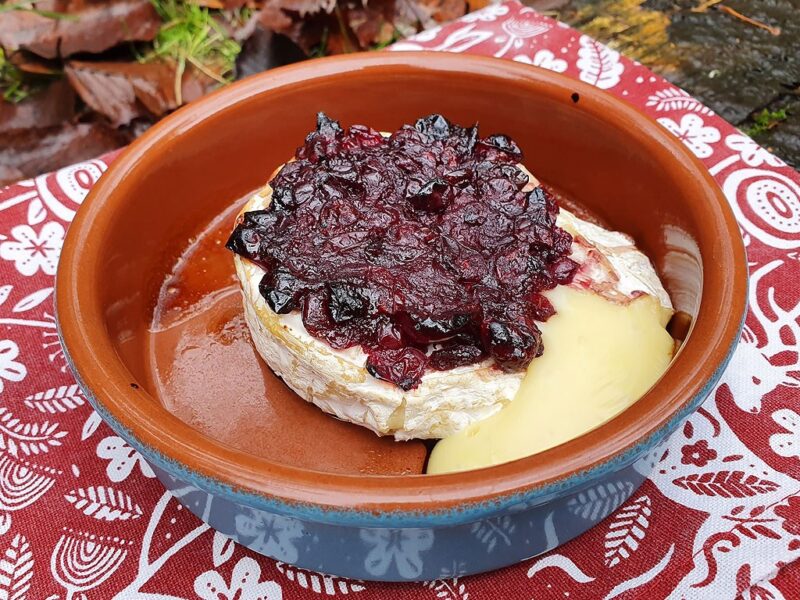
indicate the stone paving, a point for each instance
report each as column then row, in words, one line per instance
column 742, row 71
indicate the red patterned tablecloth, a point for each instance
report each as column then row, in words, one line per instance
column 81, row 516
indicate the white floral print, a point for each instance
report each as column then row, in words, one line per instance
column 598, row 64
column 273, row 535
column 398, row 546
column 487, row 14
column 122, row 459
column 750, row 152
column 693, row 132
column 786, row 444
column 245, row 584
column 31, row 251
column 10, row 369
column 544, row 59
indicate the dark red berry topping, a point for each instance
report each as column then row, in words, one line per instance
column 421, row 247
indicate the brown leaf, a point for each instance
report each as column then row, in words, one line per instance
column 110, row 88
column 124, row 91
column 9, row 174
column 272, row 17
column 445, row 10
column 306, row 7
column 195, row 84
column 50, row 106
column 264, row 50
column 427, row 13
column 352, row 24
column 410, row 17
column 371, row 23
column 35, row 65
column 95, row 27
column 302, row 21
column 30, row 152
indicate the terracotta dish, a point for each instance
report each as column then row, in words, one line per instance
column 154, row 332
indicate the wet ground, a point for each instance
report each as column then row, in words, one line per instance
column 747, row 74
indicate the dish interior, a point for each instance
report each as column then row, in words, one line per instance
column 201, row 174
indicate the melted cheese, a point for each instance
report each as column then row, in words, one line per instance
column 600, row 357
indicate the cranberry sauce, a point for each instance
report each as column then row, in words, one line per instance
column 420, row 247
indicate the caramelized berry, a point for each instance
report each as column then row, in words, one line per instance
column 421, row 247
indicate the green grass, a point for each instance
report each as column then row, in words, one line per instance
column 191, row 35
column 12, row 82
column 765, row 120
column 27, row 6
column 321, row 49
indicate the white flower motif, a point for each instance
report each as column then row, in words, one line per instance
column 524, row 26
column 751, row 153
column 786, row 444
column 427, row 35
column 10, row 369
column 245, row 584
column 273, row 535
column 405, row 47
column 31, row 251
column 544, row 59
column 486, row 14
column 693, row 132
column 398, row 546
column 123, row 459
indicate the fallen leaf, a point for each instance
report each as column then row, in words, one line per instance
column 94, row 27
column 274, row 18
column 371, row 23
column 444, row 10
column 50, row 106
column 35, row 65
column 302, row 21
column 124, row 91
column 9, row 174
column 110, row 88
column 264, row 50
column 307, row 7
column 411, row 16
column 327, row 27
column 30, row 152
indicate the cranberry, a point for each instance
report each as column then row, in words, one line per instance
column 421, row 247
column 456, row 353
column 434, row 126
column 281, row 290
column 347, row 302
column 512, row 344
column 434, row 196
column 403, row 367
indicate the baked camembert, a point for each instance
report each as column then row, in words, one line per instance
column 424, row 285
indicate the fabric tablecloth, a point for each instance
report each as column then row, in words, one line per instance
column 82, row 517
